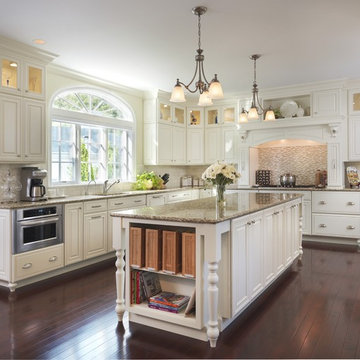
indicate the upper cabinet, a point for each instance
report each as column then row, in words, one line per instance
column 22, row 77
column 354, row 102
column 225, row 115
column 168, row 113
column 326, row 103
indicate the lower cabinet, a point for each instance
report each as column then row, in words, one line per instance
column 95, row 234
column 156, row 199
column 263, row 245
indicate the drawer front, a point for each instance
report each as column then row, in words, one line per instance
column 336, row 202
column 38, row 261
column 155, row 200
column 126, row 202
column 179, row 196
column 95, row 206
column 336, row 225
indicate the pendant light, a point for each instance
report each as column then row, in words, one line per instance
column 253, row 113
column 208, row 90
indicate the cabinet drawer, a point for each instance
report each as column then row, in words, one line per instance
column 126, row 202
column 336, row 225
column 179, row 196
column 38, row 261
column 346, row 202
column 95, row 206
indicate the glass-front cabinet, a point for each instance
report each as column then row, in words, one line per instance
column 220, row 115
column 171, row 114
column 354, row 102
column 22, row 78
column 195, row 117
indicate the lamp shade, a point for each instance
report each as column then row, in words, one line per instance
column 204, row 99
column 269, row 116
column 215, row 89
column 243, row 117
column 177, row 94
column 253, row 114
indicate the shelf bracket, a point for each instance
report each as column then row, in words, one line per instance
column 334, row 130
column 243, row 135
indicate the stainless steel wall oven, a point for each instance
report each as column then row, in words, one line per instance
column 37, row 227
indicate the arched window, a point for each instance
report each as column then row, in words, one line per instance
column 92, row 137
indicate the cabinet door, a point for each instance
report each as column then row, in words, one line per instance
column 295, row 213
column 95, row 234
column 326, row 103
column 288, row 243
column 255, row 256
column 195, row 117
column 178, row 115
column 34, row 130
column 74, row 231
column 239, row 231
column 354, row 102
column 279, row 241
column 354, row 136
column 10, row 75
column 34, row 80
column 165, row 144
column 212, row 116
column 165, row 113
column 306, row 217
column 10, row 128
column 269, row 245
column 178, row 145
column 228, row 115
column 212, row 145
column 5, row 244
column 229, row 144
column 195, row 146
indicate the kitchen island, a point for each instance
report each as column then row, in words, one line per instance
column 238, row 252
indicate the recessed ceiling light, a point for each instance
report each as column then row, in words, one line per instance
column 39, row 41
column 13, row 64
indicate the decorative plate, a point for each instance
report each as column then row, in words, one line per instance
column 353, row 175
column 289, row 108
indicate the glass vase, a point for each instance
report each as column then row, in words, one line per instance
column 220, row 194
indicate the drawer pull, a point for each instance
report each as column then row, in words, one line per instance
column 27, row 266
column 351, row 203
column 95, row 206
column 322, row 202
column 157, row 197
column 137, row 201
column 350, row 227
column 119, row 203
column 53, row 258
column 322, row 225
column 253, row 221
column 96, row 217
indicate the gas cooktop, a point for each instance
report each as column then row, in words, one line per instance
column 279, row 186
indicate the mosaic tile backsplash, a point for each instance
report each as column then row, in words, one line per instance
column 301, row 161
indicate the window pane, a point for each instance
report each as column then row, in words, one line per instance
column 66, row 152
column 55, row 172
column 55, row 131
column 95, row 135
column 67, row 132
column 55, row 151
column 67, row 172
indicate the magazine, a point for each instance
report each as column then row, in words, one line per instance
column 170, row 299
column 150, row 283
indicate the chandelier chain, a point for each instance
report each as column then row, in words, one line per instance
column 199, row 32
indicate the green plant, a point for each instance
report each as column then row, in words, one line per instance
column 148, row 181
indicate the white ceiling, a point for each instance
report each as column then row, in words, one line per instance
column 149, row 43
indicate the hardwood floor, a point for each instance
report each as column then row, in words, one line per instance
column 313, row 312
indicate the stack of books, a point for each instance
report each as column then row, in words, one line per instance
column 168, row 301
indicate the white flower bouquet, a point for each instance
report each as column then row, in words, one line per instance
column 220, row 174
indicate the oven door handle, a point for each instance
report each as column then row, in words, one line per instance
column 38, row 222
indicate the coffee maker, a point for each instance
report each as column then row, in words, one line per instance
column 32, row 184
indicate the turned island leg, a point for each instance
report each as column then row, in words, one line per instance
column 213, row 293
column 120, row 284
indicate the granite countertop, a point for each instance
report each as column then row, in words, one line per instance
column 72, row 199
column 206, row 210
column 305, row 188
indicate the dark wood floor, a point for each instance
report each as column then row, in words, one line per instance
column 314, row 312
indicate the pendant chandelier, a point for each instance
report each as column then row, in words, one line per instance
column 208, row 90
column 256, row 108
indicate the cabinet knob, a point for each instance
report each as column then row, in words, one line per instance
column 322, row 202
column 350, row 227
column 26, row 91
column 351, row 203
column 53, row 258
column 322, row 225
column 27, row 266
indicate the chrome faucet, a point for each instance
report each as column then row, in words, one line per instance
column 87, row 188
column 106, row 188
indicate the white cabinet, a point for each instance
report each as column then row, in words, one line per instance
column 336, row 213
column 95, row 234
column 155, row 200
column 212, row 145
column 178, row 196
column 221, row 115
column 74, row 232
column 247, row 260
column 5, row 244
column 354, row 136
column 22, row 124
column 326, row 103
column 178, row 149
column 354, row 102
column 10, row 128
column 121, row 203
column 195, row 146
column 34, row 130
column 20, row 76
